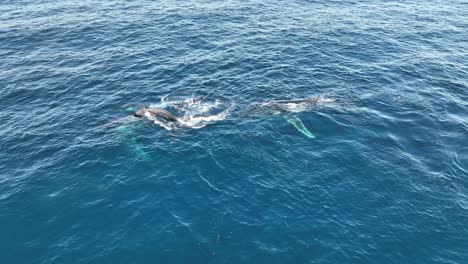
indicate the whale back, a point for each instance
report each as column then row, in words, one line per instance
column 162, row 113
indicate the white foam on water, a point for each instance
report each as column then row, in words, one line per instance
column 159, row 105
column 326, row 100
column 197, row 121
column 296, row 107
column 194, row 111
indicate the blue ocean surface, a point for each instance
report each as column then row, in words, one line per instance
column 376, row 171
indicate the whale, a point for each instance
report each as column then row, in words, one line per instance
column 312, row 100
column 157, row 112
column 283, row 106
column 275, row 104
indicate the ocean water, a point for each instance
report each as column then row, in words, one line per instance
column 375, row 172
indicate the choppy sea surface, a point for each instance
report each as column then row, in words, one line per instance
column 375, row 172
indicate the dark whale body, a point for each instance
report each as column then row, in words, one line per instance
column 281, row 106
column 157, row 112
column 312, row 101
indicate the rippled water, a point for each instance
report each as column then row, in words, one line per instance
column 383, row 180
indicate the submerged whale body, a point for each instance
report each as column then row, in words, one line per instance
column 157, row 112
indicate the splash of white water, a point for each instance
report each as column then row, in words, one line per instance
column 194, row 111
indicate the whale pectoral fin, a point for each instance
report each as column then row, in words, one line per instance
column 140, row 153
column 297, row 123
column 127, row 134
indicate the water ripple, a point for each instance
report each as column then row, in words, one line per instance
column 384, row 179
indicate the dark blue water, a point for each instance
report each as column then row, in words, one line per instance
column 385, row 180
